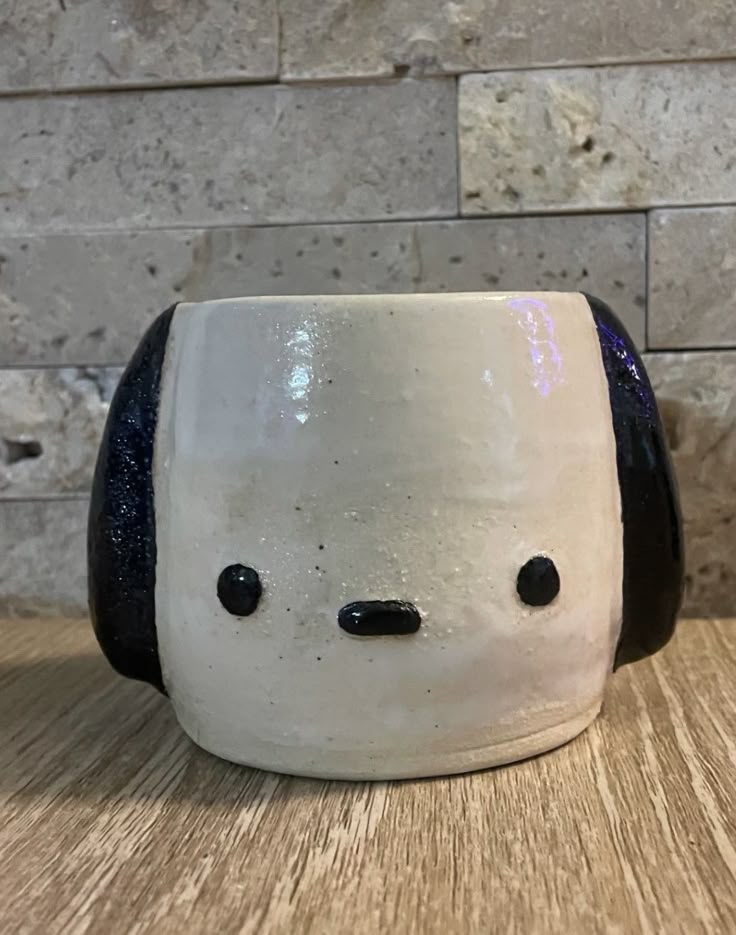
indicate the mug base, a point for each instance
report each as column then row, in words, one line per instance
column 356, row 766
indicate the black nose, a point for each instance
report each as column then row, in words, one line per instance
column 379, row 618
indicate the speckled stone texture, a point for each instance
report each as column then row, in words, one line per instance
column 106, row 43
column 234, row 155
column 334, row 38
column 50, row 427
column 88, row 298
column 597, row 138
column 698, row 404
column 692, row 278
column 43, row 558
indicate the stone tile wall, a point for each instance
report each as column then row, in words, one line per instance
column 154, row 152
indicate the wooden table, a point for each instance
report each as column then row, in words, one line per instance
column 112, row 821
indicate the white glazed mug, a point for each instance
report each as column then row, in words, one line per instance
column 383, row 536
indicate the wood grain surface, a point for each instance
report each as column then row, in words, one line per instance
column 112, row 821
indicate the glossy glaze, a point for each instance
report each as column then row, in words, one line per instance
column 239, row 589
column 122, row 524
column 415, row 449
column 538, row 582
column 653, row 555
column 379, row 618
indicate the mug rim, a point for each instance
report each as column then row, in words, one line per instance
column 335, row 297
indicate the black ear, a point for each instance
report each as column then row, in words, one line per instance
column 653, row 564
column 121, row 535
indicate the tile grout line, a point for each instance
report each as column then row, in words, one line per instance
column 558, row 212
column 278, row 80
column 439, row 218
column 273, row 82
column 563, row 210
column 458, row 189
column 327, row 80
column 45, row 498
column 234, row 226
column 10, row 366
column 279, row 38
column 646, row 279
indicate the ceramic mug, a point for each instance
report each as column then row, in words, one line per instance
column 384, row 536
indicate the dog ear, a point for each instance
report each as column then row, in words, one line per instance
column 652, row 528
column 121, row 535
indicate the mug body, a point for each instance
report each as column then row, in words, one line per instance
column 416, row 450
column 371, row 537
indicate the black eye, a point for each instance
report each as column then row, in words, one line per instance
column 538, row 582
column 239, row 589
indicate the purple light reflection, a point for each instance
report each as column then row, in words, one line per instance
column 545, row 355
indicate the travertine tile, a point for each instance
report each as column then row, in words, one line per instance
column 108, row 43
column 597, row 138
column 336, row 38
column 234, row 155
column 86, row 299
column 50, row 425
column 698, row 404
column 43, row 558
column 692, row 278
column 602, row 255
